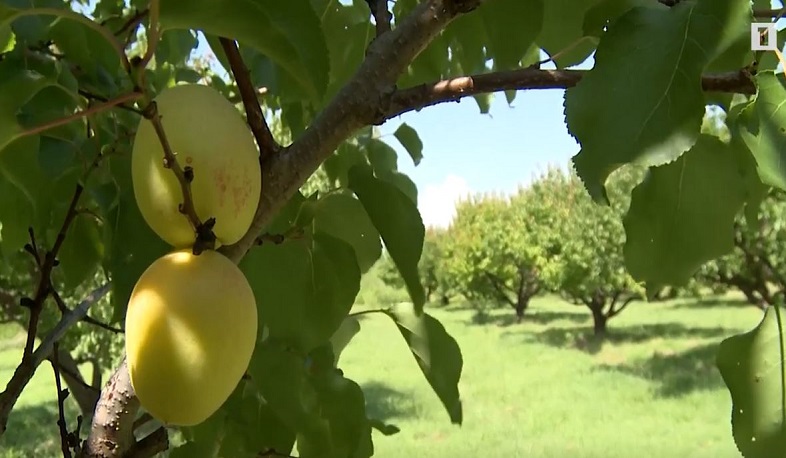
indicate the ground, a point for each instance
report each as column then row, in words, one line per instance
column 537, row 389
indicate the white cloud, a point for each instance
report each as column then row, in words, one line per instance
column 437, row 203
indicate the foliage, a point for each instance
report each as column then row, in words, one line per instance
column 491, row 254
column 430, row 267
column 584, row 242
column 77, row 76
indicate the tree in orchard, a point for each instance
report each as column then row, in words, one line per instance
column 430, row 267
column 757, row 265
column 490, row 254
column 585, row 242
column 76, row 79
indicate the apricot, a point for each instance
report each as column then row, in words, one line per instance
column 206, row 133
column 190, row 330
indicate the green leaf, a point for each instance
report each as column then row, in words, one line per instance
column 17, row 87
column 436, row 352
column 409, row 139
column 341, row 338
column 563, row 27
column 288, row 32
column 252, row 426
column 753, row 369
column 18, row 211
column 344, row 217
column 84, row 46
column 399, row 223
column 761, row 125
column 203, row 440
column 133, row 245
column 511, row 26
column 343, row 405
column 281, row 378
column 682, row 214
column 82, row 250
column 665, row 82
column 175, row 47
column 7, row 39
column 306, row 287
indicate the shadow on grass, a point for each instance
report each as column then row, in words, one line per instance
column 716, row 302
column 676, row 373
column 582, row 337
column 540, row 317
column 32, row 431
column 384, row 403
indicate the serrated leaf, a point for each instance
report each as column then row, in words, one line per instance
column 398, row 221
column 436, row 352
column 761, row 126
column 344, row 217
column 289, row 33
column 665, row 81
column 82, row 250
column 606, row 12
column 753, row 369
column 682, row 214
column 511, row 27
column 409, row 139
column 309, row 287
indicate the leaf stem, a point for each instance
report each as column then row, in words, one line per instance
column 82, row 113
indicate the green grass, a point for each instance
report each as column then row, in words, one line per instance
column 539, row 389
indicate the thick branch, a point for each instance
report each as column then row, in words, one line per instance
column 452, row 90
column 362, row 100
column 256, row 119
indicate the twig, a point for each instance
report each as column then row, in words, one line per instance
column 382, row 17
column 424, row 95
column 61, row 305
column 154, row 443
column 132, row 22
column 24, row 372
column 153, row 35
column 90, row 96
column 61, row 397
column 256, row 119
column 143, row 419
column 82, row 113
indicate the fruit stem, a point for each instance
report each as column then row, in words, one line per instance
column 205, row 238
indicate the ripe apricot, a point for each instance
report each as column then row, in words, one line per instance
column 190, row 329
column 208, row 134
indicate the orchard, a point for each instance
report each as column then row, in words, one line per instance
column 215, row 226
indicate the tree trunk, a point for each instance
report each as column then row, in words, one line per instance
column 599, row 319
column 521, row 306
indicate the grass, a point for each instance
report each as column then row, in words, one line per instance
column 542, row 388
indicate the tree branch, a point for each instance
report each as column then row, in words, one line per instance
column 24, row 372
column 256, row 119
column 82, row 113
column 61, row 397
column 362, row 100
column 452, row 90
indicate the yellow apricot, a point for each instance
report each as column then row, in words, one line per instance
column 190, row 330
column 207, row 133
